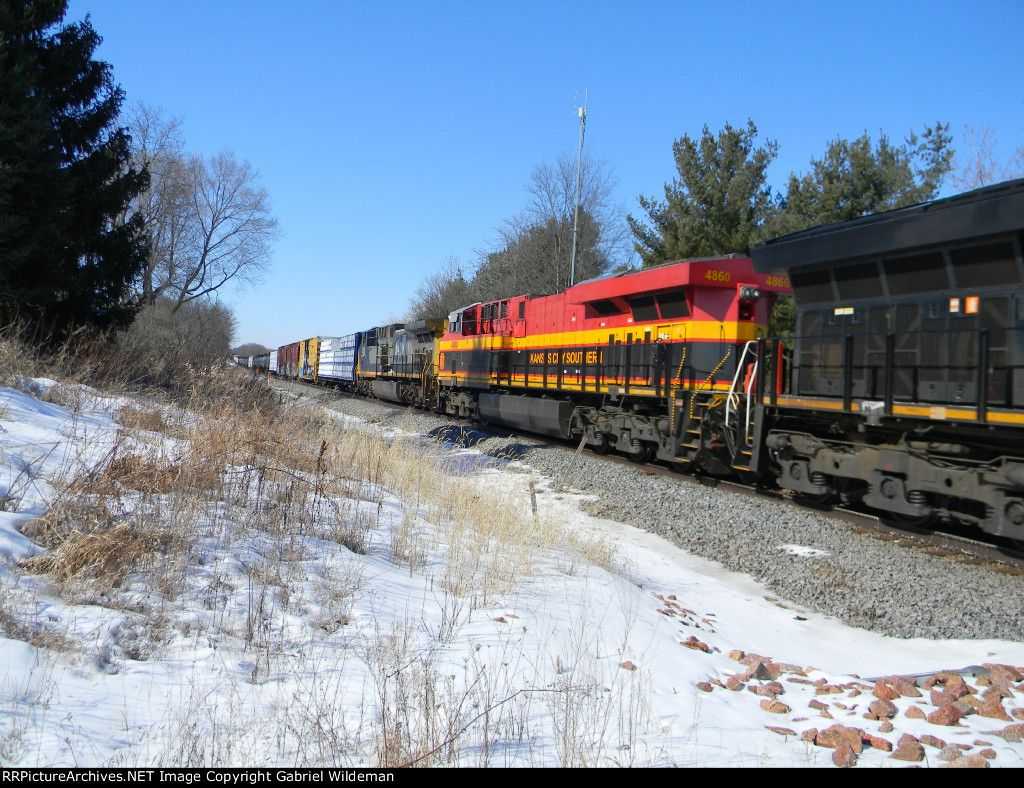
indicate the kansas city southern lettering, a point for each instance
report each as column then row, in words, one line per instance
column 568, row 357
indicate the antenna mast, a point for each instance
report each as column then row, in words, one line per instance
column 582, row 112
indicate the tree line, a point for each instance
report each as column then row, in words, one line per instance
column 102, row 217
column 718, row 203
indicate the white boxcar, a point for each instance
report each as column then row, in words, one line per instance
column 338, row 359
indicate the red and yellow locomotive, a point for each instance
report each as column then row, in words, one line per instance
column 648, row 363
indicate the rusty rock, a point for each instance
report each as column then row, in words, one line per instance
column 949, row 752
column 814, row 703
column 757, row 671
column 914, row 713
column 905, row 687
column 837, row 735
column 885, row 727
column 734, row 683
column 704, row 686
column 809, row 735
column 1011, row 733
column 999, row 689
column 932, row 741
column 947, row 715
column 1008, row 671
column 883, row 691
column 781, row 731
column 844, row 756
column 878, row 743
column 883, row 709
column 775, row 707
column 911, row 751
column 696, row 645
column 993, row 708
column 967, row 762
column 737, row 655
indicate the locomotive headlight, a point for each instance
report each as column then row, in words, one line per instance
column 749, row 293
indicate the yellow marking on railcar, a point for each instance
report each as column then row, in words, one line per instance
column 690, row 331
column 933, row 412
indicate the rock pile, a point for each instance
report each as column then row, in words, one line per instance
column 942, row 700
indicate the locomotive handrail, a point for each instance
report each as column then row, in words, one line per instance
column 749, row 384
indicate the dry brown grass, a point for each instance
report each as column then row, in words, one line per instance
column 36, row 633
column 106, row 556
column 132, row 417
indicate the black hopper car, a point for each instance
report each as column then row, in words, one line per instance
column 906, row 388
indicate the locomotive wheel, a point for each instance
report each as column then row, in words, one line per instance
column 602, row 448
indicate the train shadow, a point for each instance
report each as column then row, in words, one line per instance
column 470, row 437
column 459, row 435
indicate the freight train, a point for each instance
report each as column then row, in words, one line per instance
column 902, row 389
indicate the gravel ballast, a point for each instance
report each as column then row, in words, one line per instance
column 863, row 580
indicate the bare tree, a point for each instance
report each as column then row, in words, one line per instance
column 166, row 340
column 441, row 293
column 158, row 145
column 232, row 232
column 981, row 165
column 552, row 190
column 534, row 258
column 209, row 221
column 533, row 251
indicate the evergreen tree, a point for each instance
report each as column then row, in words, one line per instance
column 718, row 203
column 67, row 251
column 858, row 178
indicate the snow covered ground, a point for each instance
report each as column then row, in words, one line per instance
column 602, row 645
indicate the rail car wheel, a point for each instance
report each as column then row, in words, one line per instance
column 646, row 452
column 817, row 500
column 910, row 520
column 602, row 448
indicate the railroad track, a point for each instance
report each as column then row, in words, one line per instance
column 949, row 541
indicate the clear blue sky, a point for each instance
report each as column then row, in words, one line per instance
column 392, row 135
